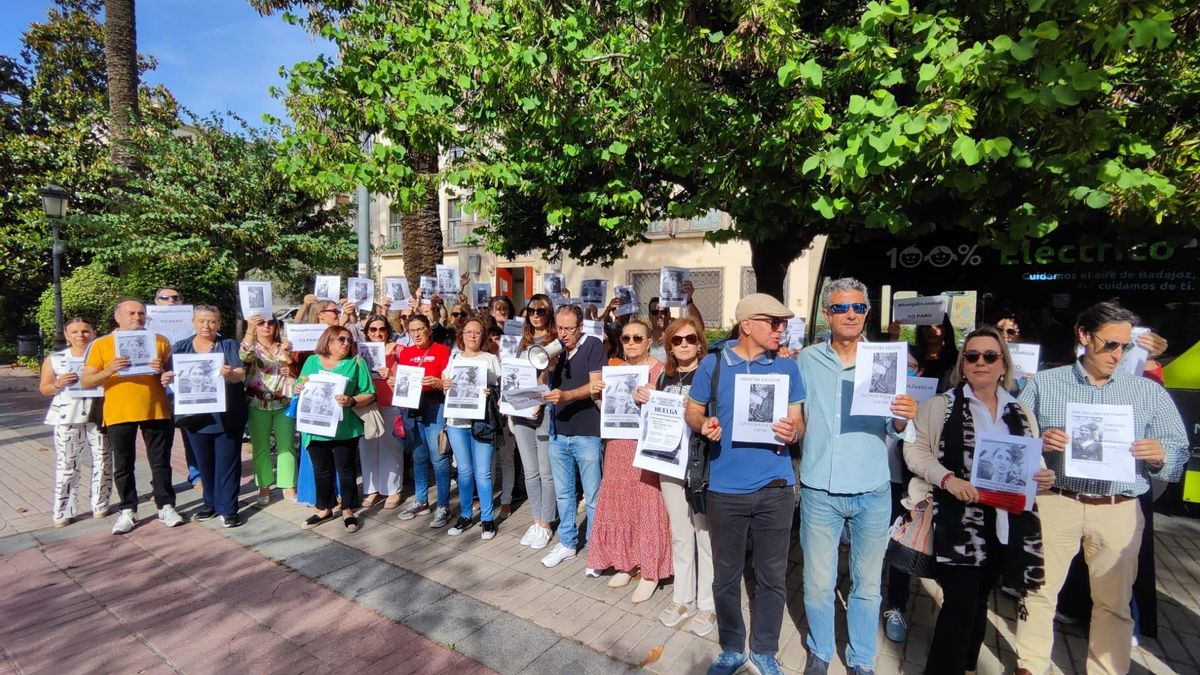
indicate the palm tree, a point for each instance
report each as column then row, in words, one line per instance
column 120, row 53
column 421, row 230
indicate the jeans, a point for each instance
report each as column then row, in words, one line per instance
column 429, row 426
column 534, row 445
column 158, row 436
column 263, row 424
column 342, row 454
column 762, row 519
column 189, row 456
column 822, row 517
column 219, row 460
column 474, row 460
column 568, row 453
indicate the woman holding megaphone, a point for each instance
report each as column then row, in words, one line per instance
column 533, row 434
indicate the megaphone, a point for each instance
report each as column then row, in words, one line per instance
column 539, row 357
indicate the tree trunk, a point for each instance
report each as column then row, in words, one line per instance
column 771, row 257
column 120, row 55
column 421, row 231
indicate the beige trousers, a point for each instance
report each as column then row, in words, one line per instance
column 1111, row 535
column 691, row 550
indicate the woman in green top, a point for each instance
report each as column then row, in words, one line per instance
column 336, row 354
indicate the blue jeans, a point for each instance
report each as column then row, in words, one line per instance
column 190, row 457
column 568, row 453
column 219, row 461
column 425, row 452
column 474, row 460
column 822, row 516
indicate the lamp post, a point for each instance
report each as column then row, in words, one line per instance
column 54, row 204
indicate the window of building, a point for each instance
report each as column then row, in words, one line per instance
column 395, row 237
column 708, row 296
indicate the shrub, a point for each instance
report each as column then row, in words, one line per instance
column 89, row 291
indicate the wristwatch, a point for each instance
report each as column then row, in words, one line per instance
column 268, row 395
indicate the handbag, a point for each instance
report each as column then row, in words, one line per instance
column 372, row 420
column 488, row 429
column 695, row 476
column 910, row 541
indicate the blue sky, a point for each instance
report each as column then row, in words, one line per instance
column 212, row 54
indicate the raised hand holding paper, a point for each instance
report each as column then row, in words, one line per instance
column 481, row 295
column 663, row 444
column 878, row 377
column 361, row 292
column 629, row 300
column 1135, row 359
column 173, row 322
column 256, row 299
column 619, row 414
column 759, row 401
column 198, row 386
column 670, row 286
column 1101, row 445
column 327, row 287
column 593, row 291
column 920, row 311
column 429, row 288
column 447, row 281
column 553, row 285
column 396, row 288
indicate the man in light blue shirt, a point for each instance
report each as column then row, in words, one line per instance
column 844, row 480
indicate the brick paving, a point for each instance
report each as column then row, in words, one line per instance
column 490, row 601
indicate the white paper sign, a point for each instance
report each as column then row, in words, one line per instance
column 373, row 353
column 173, row 322
column 920, row 311
column 619, row 414
column 1101, row 438
column 139, row 347
column 429, row 288
column 629, row 300
column 1005, row 463
column 465, row 399
column 447, row 281
column 361, row 292
column 670, row 286
column 318, row 411
column 198, row 386
column 553, row 285
column 593, row 291
column 396, row 288
column 594, row 329
column 406, row 392
column 304, row 336
column 793, row 334
column 758, row 402
column 878, row 377
column 76, row 390
column 514, row 327
column 1025, row 358
column 256, row 299
column 517, row 375
column 481, row 295
column 529, row 398
column 509, row 346
column 662, row 447
column 922, row 388
column 327, row 287
column 1135, row 359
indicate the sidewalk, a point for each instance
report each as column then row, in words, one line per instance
column 490, row 601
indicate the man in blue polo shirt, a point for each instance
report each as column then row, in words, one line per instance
column 751, row 495
column 845, row 481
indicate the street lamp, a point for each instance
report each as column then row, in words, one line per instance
column 54, row 204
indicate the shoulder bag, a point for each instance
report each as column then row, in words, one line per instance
column 695, row 477
column 910, row 541
column 372, row 419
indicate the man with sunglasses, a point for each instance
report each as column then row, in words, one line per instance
column 1104, row 515
column 845, row 482
column 751, row 494
column 167, row 296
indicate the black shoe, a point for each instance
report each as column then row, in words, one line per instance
column 205, row 513
column 489, row 529
column 459, row 527
column 232, row 520
column 815, row 666
column 351, row 523
column 315, row 520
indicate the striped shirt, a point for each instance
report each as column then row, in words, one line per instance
column 1154, row 417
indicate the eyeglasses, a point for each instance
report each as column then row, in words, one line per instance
column 330, row 309
column 567, row 329
column 343, row 340
column 775, row 322
column 476, row 333
column 170, row 298
column 377, row 329
column 843, row 307
column 538, row 311
column 635, row 339
column 989, row 357
column 1107, row 346
column 691, row 339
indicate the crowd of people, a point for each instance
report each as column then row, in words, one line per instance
column 845, row 478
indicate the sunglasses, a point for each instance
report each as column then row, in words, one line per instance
column 538, row 311
column 843, row 307
column 335, row 311
column 776, row 322
column 691, row 339
column 659, row 312
column 1107, row 346
column 169, row 298
column 989, row 357
column 377, row 328
column 343, row 340
column 635, row 339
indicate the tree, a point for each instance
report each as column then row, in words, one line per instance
column 120, row 52
column 580, row 122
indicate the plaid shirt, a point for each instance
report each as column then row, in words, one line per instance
column 1154, row 416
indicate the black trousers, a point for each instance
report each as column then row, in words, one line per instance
column 958, row 634
column 898, row 581
column 342, row 454
column 764, row 520
column 158, row 436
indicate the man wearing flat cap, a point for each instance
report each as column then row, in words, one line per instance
column 751, row 493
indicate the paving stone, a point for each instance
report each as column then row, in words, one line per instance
column 451, row 619
column 507, row 644
column 403, row 596
column 289, row 545
column 14, row 543
column 571, row 657
column 323, row 560
column 360, row 577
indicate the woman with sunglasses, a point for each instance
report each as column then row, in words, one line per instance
column 459, row 313
column 533, row 434
column 336, row 353
column 428, row 420
column 632, row 532
column 937, row 350
column 268, row 362
column 472, row 456
column 975, row 545
column 691, row 550
column 382, row 459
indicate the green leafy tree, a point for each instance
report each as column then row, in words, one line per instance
column 580, row 122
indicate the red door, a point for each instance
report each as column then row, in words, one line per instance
column 528, row 282
column 503, row 282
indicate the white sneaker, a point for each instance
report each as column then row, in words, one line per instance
column 169, row 516
column 125, row 522
column 591, row 573
column 541, row 539
column 528, row 537
column 558, row 554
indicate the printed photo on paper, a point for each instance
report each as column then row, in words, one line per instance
column 396, row 288
column 670, row 286
column 406, row 393
column 139, row 347
column 429, row 288
column 481, row 295
column 199, row 387
column 793, row 334
column 76, row 390
column 878, row 377
column 1101, row 437
column 662, row 446
column 509, row 346
column 619, row 413
column 1006, row 463
column 514, row 327
column 465, row 397
column 758, row 402
column 327, row 287
column 519, row 385
column 256, row 299
column 173, row 322
column 593, row 292
column 553, row 285
column 629, row 300
column 318, row 412
column 361, row 292
column 447, row 281
column 373, row 354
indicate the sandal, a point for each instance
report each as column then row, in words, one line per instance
column 351, row 523
column 315, row 520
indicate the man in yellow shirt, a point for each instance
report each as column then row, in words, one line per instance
column 133, row 402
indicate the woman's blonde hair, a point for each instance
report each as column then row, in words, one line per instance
column 1008, row 380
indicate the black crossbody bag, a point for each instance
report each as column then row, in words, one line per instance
column 695, row 477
